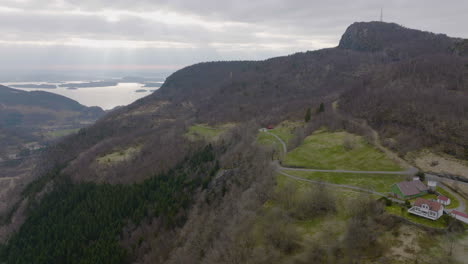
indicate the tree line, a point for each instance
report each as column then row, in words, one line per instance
column 82, row 223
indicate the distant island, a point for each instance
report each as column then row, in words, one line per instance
column 152, row 85
column 35, row 86
column 136, row 79
column 141, row 91
column 89, row 84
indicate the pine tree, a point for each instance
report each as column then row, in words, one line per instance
column 307, row 115
column 321, row 108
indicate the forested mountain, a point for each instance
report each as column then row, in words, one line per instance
column 411, row 86
column 29, row 121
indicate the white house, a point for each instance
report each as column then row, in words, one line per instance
column 428, row 209
column 460, row 216
column 443, row 200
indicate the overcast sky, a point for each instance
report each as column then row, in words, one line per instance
column 75, row 35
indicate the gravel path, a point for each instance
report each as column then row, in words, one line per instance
column 339, row 186
column 285, row 149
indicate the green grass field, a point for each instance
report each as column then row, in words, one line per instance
column 119, row 156
column 61, row 133
column 285, row 130
column 269, row 140
column 377, row 182
column 338, row 150
column 207, row 133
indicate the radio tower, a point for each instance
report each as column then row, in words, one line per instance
column 381, row 14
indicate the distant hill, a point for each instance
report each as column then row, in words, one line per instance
column 38, row 106
column 25, row 117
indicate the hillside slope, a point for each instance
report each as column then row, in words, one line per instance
column 412, row 86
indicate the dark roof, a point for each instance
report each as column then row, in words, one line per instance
column 455, row 212
column 433, row 205
column 442, row 198
column 411, row 187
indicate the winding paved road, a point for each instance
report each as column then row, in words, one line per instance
column 285, row 149
column 462, row 206
column 410, row 171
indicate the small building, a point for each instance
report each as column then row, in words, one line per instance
column 432, row 185
column 460, row 216
column 443, row 200
column 409, row 189
column 427, row 209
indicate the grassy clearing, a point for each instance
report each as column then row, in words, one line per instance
column 309, row 227
column 377, row 182
column 266, row 139
column 285, row 130
column 397, row 210
column 61, row 133
column 119, row 156
column 454, row 203
column 205, row 132
column 338, row 150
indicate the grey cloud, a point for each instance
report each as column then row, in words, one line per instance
column 241, row 29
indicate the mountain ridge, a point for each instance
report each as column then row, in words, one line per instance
column 412, row 90
column 282, row 88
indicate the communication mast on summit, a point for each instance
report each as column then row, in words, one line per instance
column 381, row 14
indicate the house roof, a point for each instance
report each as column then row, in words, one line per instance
column 411, row 187
column 459, row 213
column 442, row 198
column 433, row 205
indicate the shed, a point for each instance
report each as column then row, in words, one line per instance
column 460, row 216
column 443, row 200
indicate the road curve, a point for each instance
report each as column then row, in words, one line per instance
column 339, row 186
column 410, row 171
column 285, row 149
column 462, row 206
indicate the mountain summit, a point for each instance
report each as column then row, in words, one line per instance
column 387, row 37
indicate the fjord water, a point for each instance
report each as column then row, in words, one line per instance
column 104, row 97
